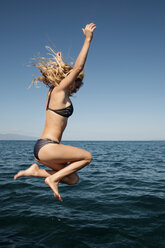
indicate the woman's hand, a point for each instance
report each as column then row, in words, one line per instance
column 59, row 54
column 88, row 31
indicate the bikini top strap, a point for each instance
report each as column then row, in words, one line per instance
column 49, row 99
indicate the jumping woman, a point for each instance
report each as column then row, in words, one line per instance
column 63, row 80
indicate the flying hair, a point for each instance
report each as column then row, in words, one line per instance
column 53, row 70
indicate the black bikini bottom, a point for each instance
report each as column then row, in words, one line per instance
column 40, row 143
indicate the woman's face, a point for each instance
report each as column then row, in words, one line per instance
column 76, row 85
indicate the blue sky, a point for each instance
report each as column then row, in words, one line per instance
column 124, row 86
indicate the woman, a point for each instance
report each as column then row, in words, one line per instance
column 63, row 81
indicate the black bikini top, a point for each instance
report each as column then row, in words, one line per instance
column 66, row 112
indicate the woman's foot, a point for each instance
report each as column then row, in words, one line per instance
column 54, row 186
column 30, row 172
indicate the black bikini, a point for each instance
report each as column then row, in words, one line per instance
column 40, row 143
column 66, row 112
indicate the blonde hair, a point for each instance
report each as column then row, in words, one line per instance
column 53, row 70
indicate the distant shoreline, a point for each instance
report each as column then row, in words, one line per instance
column 12, row 137
column 88, row 140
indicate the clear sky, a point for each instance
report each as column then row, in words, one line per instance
column 123, row 97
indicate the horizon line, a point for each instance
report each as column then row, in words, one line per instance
column 83, row 140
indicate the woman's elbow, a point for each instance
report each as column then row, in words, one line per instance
column 78, row 68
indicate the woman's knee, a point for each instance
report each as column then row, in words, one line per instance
column 88, row 156
column 74, row 178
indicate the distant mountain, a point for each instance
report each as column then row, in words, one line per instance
column 12, row 136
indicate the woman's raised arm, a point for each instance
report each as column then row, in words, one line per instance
column 88, row 32
column 80, row 61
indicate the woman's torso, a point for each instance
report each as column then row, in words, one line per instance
column 55, row 123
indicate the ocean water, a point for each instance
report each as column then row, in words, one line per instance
column 119, row 201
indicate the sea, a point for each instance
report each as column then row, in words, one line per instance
column 119, row 201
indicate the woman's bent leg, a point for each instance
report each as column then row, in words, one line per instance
column 35, row 171
column 62, row 154
column 53, row 180
column 59, row 153
column 71, row 179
